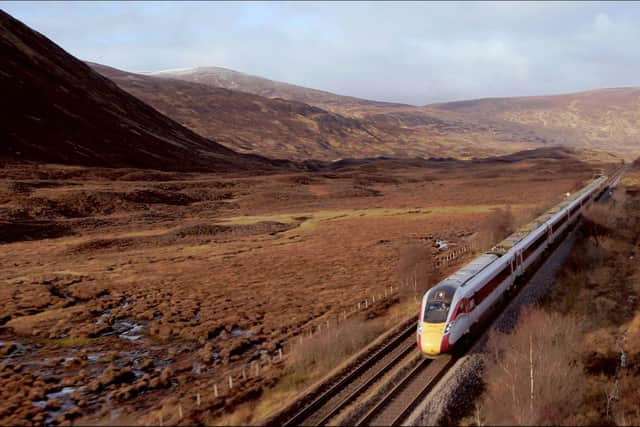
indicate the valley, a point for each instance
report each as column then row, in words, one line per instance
column 156, row 286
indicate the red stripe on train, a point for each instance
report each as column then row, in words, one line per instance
column 444, row 345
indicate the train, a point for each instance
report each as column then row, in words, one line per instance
column 455, row 306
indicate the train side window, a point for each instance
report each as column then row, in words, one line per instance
column 438, row 304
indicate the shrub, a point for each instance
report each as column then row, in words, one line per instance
column 416, row 269
column 326, row 350
column 494, row 228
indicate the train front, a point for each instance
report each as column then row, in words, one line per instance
column 433, row 336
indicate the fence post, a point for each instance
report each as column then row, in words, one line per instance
column 198, row 399
column 230, row 382
column 279, row 354
column 215, row 390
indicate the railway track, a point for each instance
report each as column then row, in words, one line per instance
column 343, row 393
column 398, row 402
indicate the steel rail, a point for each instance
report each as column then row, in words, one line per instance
column 321, row 409
column 398, row 402
column 368, row 382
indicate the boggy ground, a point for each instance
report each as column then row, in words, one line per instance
column 127, row 291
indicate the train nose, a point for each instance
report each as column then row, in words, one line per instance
column 431, row 338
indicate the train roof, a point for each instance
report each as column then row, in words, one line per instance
column 522, row 232
column 462, row 276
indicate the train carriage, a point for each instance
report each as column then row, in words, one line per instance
column 450, row 309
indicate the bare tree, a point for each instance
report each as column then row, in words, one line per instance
column 495, row 227
column 416, row 268
column 533, row 375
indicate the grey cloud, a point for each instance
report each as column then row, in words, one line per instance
column 408, row 52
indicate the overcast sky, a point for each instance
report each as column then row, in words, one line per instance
column 415, row 53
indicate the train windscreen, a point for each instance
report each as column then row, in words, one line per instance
column 438, row 304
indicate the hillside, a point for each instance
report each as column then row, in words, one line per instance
column 235, row 80
column 56, row 109
column 294, row 130
column 255, row 124
column 60, row 110
column 605, row 119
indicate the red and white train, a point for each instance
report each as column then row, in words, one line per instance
column 451, row 308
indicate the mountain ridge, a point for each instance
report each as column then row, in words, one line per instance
column 291, row 129
column 56, row 109
column 580, row 119
column 237, row 80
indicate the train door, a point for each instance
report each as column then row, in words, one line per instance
column 519, row 262
column 513, row 271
